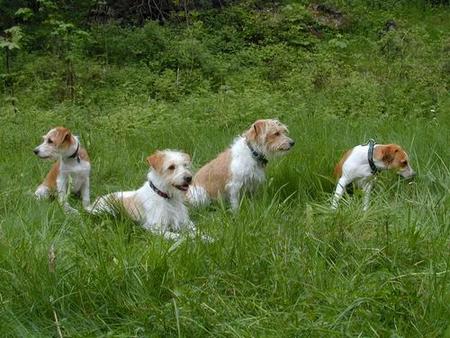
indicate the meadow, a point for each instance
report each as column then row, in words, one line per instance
column 285, row 265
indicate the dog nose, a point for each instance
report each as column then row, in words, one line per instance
column 292, row 143
column 188, row 179
column 36, row 151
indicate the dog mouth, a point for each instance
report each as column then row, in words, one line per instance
column 285, row 149
column 182, row 187
column 43, row 157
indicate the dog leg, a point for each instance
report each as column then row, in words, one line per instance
column 42, row 192
column 340, row 189
column 367, row 188
column 85, row 197
column 234, row 190
column 61, row 185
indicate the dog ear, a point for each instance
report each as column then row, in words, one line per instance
column 256, row 129
column 156, row 160
column 63, row 135
column 389, row 153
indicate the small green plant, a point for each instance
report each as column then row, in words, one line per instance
column 9, row 43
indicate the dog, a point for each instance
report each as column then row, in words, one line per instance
column 72, row 163
column 361, row 164
column 242, row 166
column 159, row 204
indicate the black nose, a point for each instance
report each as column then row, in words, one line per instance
column 188, row 179
column 36, row 151
column 292, row 143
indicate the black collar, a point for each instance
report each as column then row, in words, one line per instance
column 75, row 154
column 373, row 167
column 159, row 192
column 260, row 158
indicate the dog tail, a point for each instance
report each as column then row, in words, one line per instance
column 338, row 169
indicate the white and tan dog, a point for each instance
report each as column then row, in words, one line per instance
column 361, row 163
column 72, row 163
column 159, row 204
column 242, row 166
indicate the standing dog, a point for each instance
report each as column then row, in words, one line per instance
column 362, row 162
column 72, row 163
column 158, row 204
column 242, row 166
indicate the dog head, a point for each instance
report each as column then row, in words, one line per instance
column 269, row 137
column 56, row 143
column 173, row 167
column 394, row 157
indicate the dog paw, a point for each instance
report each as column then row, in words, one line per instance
column 41, row 193
column 71, row 211
column 207, row 239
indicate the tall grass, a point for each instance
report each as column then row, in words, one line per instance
column 284, row 265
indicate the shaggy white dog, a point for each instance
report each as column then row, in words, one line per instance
column 159, row 204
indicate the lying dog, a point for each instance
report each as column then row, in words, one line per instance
column 158, row 204
column 72, row 163
column 361, row 163
column 242, row 166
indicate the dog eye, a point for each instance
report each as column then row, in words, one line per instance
column 171, row 167
column 49, row 141
column 277, row 133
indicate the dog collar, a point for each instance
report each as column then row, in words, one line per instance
column 159, row 192
column 372, row 165
column 260, row 158
column 75, row 154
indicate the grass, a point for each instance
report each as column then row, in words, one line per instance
column 285, row 265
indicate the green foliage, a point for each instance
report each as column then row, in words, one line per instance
column 12, row 38
column 285, row 265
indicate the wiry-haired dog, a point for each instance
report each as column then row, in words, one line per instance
column 362, row 162
column 242, row 166
column 159, row 204
column 72, row 163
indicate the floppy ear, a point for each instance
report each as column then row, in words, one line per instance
column 63, row 135
column 156, row 160
column 256, row 129
column 389, row 153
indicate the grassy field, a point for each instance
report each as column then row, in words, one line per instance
column 285, row 265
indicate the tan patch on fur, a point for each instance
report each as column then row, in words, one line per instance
column 62, row 137
column 83, row 154
column 50, row 179
column 133, row 207
column 214, row 176
column 156, row 161
column 338, row 169
column 256, row 129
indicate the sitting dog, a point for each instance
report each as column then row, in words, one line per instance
column 72, row 163
column 158, row 204
column 361, row 163
column 242, row 166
